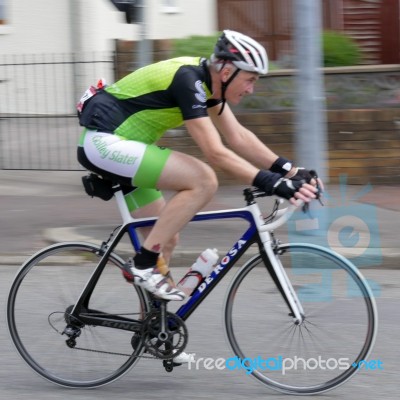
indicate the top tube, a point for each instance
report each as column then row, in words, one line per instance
column 280, row 218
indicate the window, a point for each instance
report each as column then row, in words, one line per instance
column 5, row 27
column 169, row 6
column 2, row 12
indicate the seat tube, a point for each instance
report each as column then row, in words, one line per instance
column 122, row 207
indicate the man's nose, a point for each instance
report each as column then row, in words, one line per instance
column 250, row 89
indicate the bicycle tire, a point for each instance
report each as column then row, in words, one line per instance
column 45, row 287
column 328, row 348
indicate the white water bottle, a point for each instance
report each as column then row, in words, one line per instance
column 198, row 271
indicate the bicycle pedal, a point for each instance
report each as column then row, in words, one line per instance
column 169, row 365
column 175, row 364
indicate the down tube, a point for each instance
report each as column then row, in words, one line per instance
column 219, row 271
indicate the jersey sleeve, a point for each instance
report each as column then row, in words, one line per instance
column 213, row 102
column 188, row 91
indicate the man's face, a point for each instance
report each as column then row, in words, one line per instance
column 242, row 85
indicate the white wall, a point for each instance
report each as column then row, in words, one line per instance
column 34, row 27
column 194, row 17
column 59, row 26
column 87, row 28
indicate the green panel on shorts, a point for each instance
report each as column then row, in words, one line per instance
column 149, row 171
column 140, row 197
column 82, row 138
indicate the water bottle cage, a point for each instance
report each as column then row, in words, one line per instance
column 185, row 285
column 196, row 274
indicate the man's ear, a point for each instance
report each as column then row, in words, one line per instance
column 225, row 73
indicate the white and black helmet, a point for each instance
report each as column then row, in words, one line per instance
column 243, row 51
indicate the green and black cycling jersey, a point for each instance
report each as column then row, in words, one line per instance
column 149, row 101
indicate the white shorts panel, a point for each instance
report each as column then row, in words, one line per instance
column 114, row 154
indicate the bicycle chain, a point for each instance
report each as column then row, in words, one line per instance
column 92, row 350
column 152, row 354
column 114, row 354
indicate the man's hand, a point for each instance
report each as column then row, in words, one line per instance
column 273, row 183
column 287, row 170
column 294, row 190
column 311, row 177
column 302, row 174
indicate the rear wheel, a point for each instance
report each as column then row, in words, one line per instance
column 38, row 311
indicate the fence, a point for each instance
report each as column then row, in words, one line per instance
column 39, row 129
column 38, row 124
column 373, row 24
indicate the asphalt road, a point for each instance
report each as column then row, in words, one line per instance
column 148, row 380
column 47, row 200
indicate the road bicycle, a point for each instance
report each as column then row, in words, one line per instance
column 312, row 319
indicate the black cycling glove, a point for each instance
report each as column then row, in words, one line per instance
column 273, row 183
column 281, row 166
column 286, row 188
column 303, row 174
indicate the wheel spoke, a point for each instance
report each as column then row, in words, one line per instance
column 339, row 324
column 46, row 334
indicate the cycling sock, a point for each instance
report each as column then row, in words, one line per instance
column 145, row 259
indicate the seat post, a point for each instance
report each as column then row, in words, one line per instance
column 121, row 203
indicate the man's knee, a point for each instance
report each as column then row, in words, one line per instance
column 209, row 181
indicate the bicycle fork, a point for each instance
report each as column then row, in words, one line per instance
column 281, row 278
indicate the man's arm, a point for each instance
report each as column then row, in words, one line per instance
column 247, row 145
column 206, row 136
column 242, row 140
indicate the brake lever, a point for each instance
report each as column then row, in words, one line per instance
column 318, row 194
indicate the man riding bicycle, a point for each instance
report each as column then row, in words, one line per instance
column 124, row 121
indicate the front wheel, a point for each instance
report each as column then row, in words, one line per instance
column 317, row 355
column 40, row 300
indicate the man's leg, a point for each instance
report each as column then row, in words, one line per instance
column 154, row 209
column 195, row 183
column 152, row 167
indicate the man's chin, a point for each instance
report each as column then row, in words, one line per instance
column 236, row 101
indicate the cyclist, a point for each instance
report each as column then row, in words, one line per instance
column 123, row 122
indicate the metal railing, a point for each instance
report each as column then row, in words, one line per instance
column 38, row 124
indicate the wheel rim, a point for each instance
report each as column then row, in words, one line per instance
column 244, row 344
column 40, row 294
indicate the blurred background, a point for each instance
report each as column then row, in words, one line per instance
column 330, row 101
column 333, row 86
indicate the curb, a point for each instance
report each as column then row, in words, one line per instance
column 390, row 257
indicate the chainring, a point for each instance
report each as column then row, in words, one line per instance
column 168, row 343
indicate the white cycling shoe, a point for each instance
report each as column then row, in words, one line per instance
column 153, row 281
column 184, row 358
